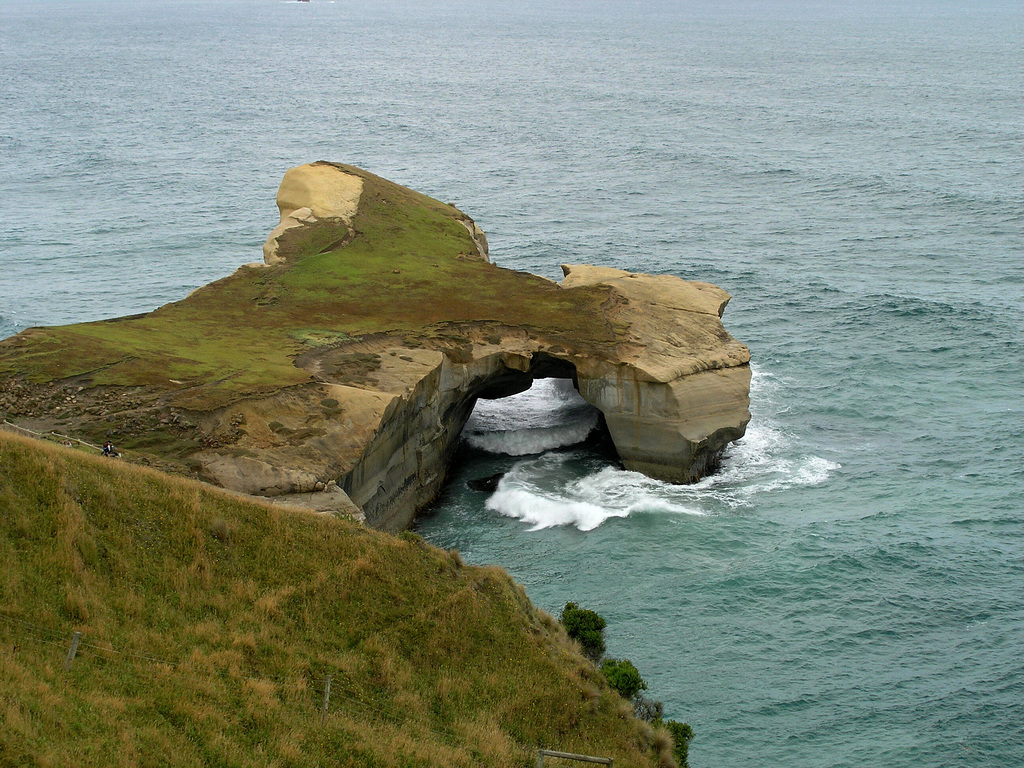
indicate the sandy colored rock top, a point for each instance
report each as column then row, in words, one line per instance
column 664, row 290
column 325, row 189
column 309, row 193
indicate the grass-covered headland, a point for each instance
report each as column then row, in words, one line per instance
column 210, row 624
column 239, row 336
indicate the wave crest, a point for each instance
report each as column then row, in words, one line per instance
column 551, row 414
column 563, row 489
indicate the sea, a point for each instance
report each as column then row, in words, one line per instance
column 849, row 589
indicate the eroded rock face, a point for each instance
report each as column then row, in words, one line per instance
column 678, row 390
column 311, row 193
column 673, row 394
column 671, row 406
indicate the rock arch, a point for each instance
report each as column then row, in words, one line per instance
column 406, row 461
column 671, row 383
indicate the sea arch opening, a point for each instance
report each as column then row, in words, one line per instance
column 409, row 459
column 547, row 414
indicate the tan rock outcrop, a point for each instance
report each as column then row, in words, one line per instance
column 678, row 390
column 310, row 193
column 673, row 394
column 670, row 407
column 479, row 238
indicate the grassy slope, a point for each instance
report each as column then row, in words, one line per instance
column 210, row 623
column 405, row 273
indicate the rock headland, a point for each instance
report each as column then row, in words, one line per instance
column 340, row 372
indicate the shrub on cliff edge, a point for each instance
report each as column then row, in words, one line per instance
column 624, row 677
column 682, row 734
column 585, row 627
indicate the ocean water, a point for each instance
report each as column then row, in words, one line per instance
column 849, row 590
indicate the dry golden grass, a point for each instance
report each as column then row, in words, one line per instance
column 210, row 624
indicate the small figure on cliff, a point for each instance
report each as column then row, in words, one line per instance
column 109, row 450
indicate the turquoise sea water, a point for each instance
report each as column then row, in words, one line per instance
column 850, row 589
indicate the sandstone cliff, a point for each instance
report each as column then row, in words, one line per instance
column 341, row 371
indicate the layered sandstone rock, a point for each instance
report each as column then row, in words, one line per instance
column 678, row 389
column 673, row 394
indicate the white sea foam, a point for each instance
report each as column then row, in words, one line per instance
column 544, row 492
column 546, row 511
column 561, row 489
column 548, row 403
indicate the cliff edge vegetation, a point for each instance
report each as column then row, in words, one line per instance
column 210, row 623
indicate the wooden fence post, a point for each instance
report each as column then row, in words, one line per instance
column 327, row 698
column 75, row 640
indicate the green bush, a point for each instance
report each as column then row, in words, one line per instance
column 585, row 627
column 683, row 735
column 623, row 677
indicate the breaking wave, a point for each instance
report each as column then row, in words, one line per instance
column 577, row 488
column 537, row 440
column 548, row 490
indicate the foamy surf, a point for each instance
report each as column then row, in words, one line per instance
column 766, row 459
column 544, row 492
column 575, row 488
column 522, row 442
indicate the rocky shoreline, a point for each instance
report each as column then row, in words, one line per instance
column 340, row 372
